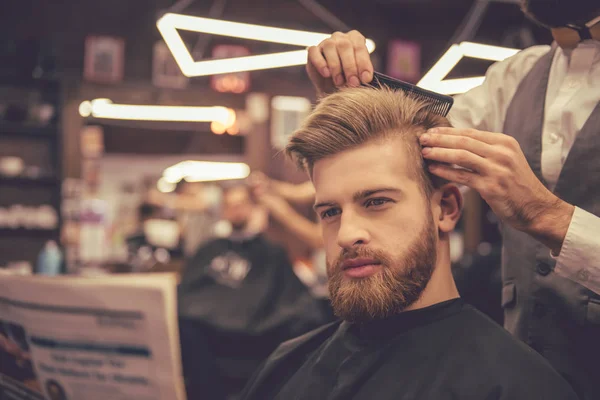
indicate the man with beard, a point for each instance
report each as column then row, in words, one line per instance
column 238, row 299
column 405, row 333
column 527, row 140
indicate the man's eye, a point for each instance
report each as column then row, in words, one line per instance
column 332, row 212
column 376, row 202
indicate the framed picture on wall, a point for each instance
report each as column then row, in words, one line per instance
column 287, row 114
column 237, row 82
column 104, row 59
column 165, row 71
column 404, row 60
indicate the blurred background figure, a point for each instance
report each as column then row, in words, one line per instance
column 196, row 208
column 239, row 298
column 278, row 199
column 158, row 241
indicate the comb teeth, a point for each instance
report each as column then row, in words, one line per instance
column 436, row 103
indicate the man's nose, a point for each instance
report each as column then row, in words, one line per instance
column 352, row 231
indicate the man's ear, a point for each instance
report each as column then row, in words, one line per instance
column 449, row 202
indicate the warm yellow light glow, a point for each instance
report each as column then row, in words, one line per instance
column 85, row 109
column 173, row 174
column 169, row 23
column 217, row 128
column 164, row 186
column 233, row 130
column 434, row 78
column 104, row 108
column 204, row 171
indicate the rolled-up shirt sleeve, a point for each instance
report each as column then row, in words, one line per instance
column 579, row 258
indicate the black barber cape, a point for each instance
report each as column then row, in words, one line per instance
column 447, row 351
column 238, row 300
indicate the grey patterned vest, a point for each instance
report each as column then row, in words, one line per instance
column 556, row 316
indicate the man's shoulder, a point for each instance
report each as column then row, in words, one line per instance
column 287, row 358
column 487, row 353
column 497, row 351
column 495, row 339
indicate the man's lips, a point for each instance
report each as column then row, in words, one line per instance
column 358, row 262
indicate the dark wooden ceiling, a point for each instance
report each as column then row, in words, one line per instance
column 67, row 22
column 64, row 24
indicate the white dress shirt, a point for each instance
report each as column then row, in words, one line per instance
column 572, row 94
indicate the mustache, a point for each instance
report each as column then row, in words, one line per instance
column 361, row 252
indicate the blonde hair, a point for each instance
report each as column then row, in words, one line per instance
column 354, row 116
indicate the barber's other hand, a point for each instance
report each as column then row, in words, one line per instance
column 273, row 203
column 341, row 60
column 498, row 170
column 259, row 183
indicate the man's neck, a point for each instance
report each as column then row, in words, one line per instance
column 441, row 286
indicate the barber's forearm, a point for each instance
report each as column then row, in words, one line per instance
column 306, row 230
column 298, row 193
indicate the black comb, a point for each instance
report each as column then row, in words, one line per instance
column 437, row 103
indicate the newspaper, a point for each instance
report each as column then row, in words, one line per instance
column 74, row 338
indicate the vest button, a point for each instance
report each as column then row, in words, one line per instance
column 543, row 268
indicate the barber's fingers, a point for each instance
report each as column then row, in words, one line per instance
column 342, row 59
column 361, row 54
column 330, row 51
column 317, row 62
column 345, row 50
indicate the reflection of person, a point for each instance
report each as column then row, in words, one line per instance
column 272, row 196
column 55, row 391
column 276, row 196
column 195, row 204
column 301, row 193
column 157, row 241
column 542, row 183
column 405, row 334
column 240, row 294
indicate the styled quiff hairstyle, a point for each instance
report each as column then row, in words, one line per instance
column 354, row 116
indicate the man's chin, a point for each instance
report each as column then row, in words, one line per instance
column 372, row 297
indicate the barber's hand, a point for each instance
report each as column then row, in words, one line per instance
column 496, row 168
column 272, row 202
column 341, row 60
column 259, row 183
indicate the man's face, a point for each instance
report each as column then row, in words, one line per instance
column 237, row 207
column 378, row 229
